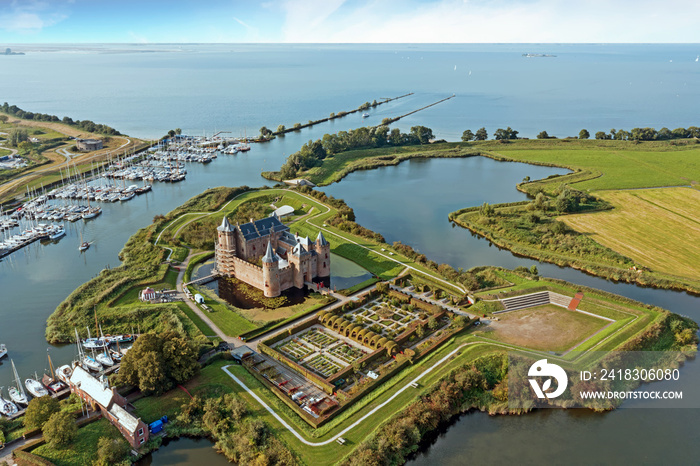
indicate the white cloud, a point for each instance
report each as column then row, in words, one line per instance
column 491, row 21
column 29, row 16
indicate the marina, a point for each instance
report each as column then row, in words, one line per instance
column 77, row 200
column 54, row 381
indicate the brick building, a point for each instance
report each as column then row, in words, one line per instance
column 287, row 260
column 97, row 394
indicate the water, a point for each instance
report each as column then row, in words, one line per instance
column 240, row 88
column 184, row 451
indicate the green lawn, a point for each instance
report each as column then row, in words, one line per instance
column 227, row 320
column 620, row 168
column 83, row 449
column 196, row 320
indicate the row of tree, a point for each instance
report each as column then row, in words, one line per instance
column 312, row 153
column 636, row 134
column 86, row 125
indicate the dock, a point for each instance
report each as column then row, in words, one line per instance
column 60, row 395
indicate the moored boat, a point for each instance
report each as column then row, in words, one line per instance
column 7, row 407
column 3, row 350
column 91, row 364
column 104, row 359
column 58, row 233
column 35, row 388
column 17, row 394
column 63, row 373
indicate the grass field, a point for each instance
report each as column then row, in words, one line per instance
column 619, row 168
column 659, row 228
column 82, row 450
column 544, row 328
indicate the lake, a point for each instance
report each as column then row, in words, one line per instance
column 240, row 88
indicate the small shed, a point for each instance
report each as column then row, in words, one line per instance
column 240, row 353
column 199, row 299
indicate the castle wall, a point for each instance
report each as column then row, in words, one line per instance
column 248, row 273
column 286, row 278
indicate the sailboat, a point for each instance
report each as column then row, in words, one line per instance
column 7, row 407
column 49, row 381
column 17, row 393
column 35, row 387
column 94, row 343
column 84, row 245
column 85, row 360
column 104, row 358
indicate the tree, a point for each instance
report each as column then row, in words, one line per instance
column 601, row 135
column 584, row 134
column 526, row 179
column 664, row 133
column 543, row 135
column 151, row 374
column 3, row 118
column 281, row 129
column 17, row 136
column 25, row 147
column 533, row 270
column 422, row 133
column 265, row 132
column 155, row 363
column 467, row 135
column 541, row 201
column 39, row 411
column 680, row 133
column 420, row 331
column 503, row 134
column 178, row 131
column 486, row 210
column 433, row 324
column 481, row 134
column 111, row 451
column 60, row 429
column 171, row 133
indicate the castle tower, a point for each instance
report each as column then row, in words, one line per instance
column 225, row 248
column 323, row 260
column 271, row 272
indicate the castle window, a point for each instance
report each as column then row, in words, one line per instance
column 142, row 440
column 326, row 257
column 324, row 264
column 141, row 432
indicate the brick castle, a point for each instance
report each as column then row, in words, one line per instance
column 287, row 259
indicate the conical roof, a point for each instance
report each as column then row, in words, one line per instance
column 320, row 239
column 225, row 225
column 270, row 255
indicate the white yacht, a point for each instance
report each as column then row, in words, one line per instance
column 7, row 407
column 63, row 373
column 3, row 350
column 58, row 233
column 35, row 388
column 17, row 393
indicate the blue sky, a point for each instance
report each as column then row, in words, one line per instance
column 97, row 21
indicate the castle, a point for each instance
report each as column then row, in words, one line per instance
column 287, row 259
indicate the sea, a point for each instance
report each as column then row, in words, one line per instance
column 144, row 90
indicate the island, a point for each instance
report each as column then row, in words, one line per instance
column 319, row 375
